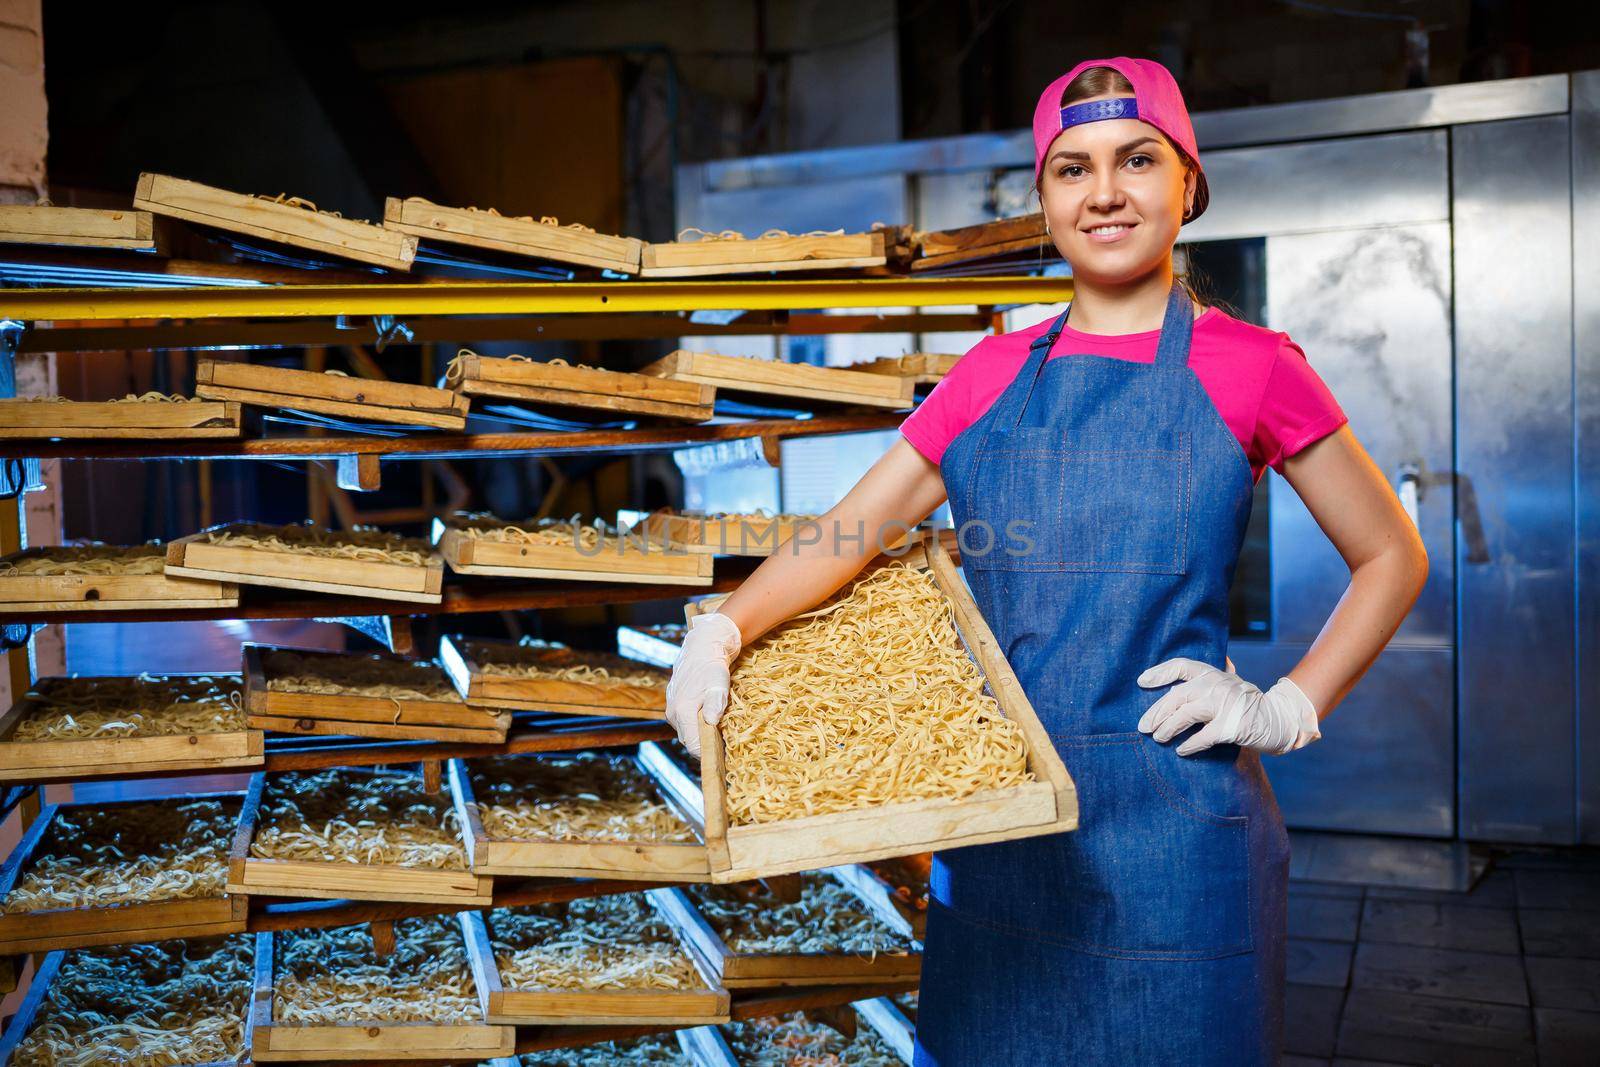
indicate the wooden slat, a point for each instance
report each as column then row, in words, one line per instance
column 107, row 592
column 463, row 660
column 265, row 219
column 583, row 387
column 770, row 377
column 983, row 236
column 683, row 259
column 77, row 226
column 924, row 368
column 153, row 420
column 627, row 563
column 518, row 236
column 370, row 399
column 194, row 556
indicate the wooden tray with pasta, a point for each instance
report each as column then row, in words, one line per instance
column 779, row 378
column 565, row 549
column 175, row 1002
column 328, row 995
column 70, row 728
column 715, row 254
column 366, row 399
column 104, row 578
column 592, row 388
column 832, row 935
column 358, row 563
column 657, row 644
column 725, row 533
column 361, row 695
column 150, row 417
column 607, row 813
column 844, row 1036
column 352, row 832
column 489, row 229
column 611, row 959
column 923, row 368
column 284, row 220
column 896, row 670
column 546, row 676
column 888, row 1018
column 112, row 872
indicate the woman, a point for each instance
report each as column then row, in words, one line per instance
column 1129, row 432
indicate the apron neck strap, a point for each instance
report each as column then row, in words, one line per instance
column 1172, row 350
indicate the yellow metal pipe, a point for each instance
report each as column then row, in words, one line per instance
column 523, row 298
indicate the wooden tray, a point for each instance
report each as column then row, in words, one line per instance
column 590, row 1007
column 520, row 237
column 82, row 227
column 60, row 928
column 351, row 714
column 770, row 377
column 195, row 557
column 986, row 240
column 367, row 399
column 656, row 645
column 48, row 969
column 746, row 970
column 254, row 216
column 718, row 535
column 636, row 860
column 923, row 368
column 583, row 387
column 705, row 1046
column 885, row 1016
column 626, row 561
column 22, row 761
column 110, row 592
column 38, row 420
column 332, row 880
column 683, row 259
column 1047, row 805
column 379, row 1041
column 463, row 659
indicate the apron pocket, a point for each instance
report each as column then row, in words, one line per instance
column 1147, row 874
column 1091, row 502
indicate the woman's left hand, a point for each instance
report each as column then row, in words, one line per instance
column 1279, row 720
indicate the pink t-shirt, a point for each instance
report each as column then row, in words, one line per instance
column 1259, row 379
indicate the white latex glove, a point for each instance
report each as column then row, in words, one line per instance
column 1279, row 720
column 699, row 684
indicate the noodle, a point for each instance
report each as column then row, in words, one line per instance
column 454, row 370
column 652, row 1051
column 97, row 559
column 324, row 977
column 532, row 658
column 606, row 942
column 827, row 918
column 128, row 854
column 352, row 674
column 350, row 816
column 794, row 1041
column 867, row 700
column 80, row 709
column 156, row 1005
column 480, row 526
column 584, row 797
column 359, row 545
column 151, row 396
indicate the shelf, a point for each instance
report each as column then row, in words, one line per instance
column 427, row 445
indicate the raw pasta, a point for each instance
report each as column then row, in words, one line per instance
column 361, row 544
column 867, row 700
column 357, row 816
column 58, row 560
column 78, row 709
column 605, row 942
column 653, row 1051
column 794, row 1041
column 354, row 674
column 128, row 854
column 583, row 797
column 826, row 918
column 323, row 977
column 155, row 1005
column 573, row 532
column 532, row 658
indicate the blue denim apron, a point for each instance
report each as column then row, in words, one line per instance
column 1155, row 932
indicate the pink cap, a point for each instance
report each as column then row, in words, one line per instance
column 1156, row 100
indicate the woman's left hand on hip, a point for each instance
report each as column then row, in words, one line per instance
column 1279, row 720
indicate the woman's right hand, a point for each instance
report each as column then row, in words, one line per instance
column 700, row 681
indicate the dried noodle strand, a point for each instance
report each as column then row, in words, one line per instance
column 607, row 942
column 364, row 545
column 826, row 918
column 584, row 797
column 95, row 558
column 794, row 1041
column 380, row 818
column 78, row 709
column 352, row 674
column 331, row 976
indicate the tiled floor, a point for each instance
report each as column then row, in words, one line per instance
column 1508, row 973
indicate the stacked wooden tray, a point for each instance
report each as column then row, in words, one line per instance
column 619, row 928
column 684, row 259
column 490, row 230
column 78, row 227
column 591, row 388
column 361, row 695
column 478, row 544
column 163, row 419
column 285, row 814
column 67, row 882
column 592, row 814
column 295, row 223
column 1013, row 237
column 408, row 570
column 366, row 399
column 778, row 378
column 302, row 1008
column 73, row 578
column 656, row 644
column 542, row 676
column 1044, row 805
column 751, row 939
column 69, row 728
